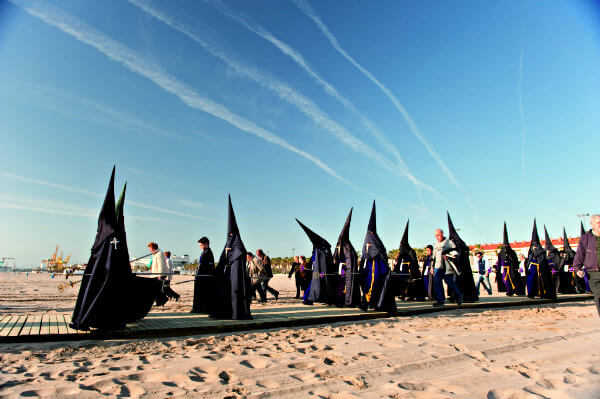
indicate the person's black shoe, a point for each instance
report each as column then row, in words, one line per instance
column 276, row 296
column 438, row 305
column 459, row 302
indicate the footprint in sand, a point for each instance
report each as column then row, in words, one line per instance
column 197, row 374
column 409, row 386
column 359, row 382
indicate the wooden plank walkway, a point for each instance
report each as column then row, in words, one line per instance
column 52, row 326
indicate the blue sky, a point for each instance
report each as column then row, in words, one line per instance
column 298, row 109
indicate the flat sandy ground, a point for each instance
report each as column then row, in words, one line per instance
column 550, row 351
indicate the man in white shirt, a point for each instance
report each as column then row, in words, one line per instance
column 160, row 267
column 159, row 262
column 444, row 269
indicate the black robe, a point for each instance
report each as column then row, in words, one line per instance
column 465, row 281
column 204, row 283
column 567, row 275
column 375, row 272
column 346, row 259
column 322, row 286
column 232, row 293
column 542, row 284
column 110, row 295
column 410, row 281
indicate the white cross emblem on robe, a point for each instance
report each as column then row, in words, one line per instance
column 115, row 242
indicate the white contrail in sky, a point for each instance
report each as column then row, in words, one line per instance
column 299, row 59
column 133, row 61
column 77, row 190
column 57, row 208
column 306, row 8
column 281, row 89
column 522, row 113
column 110, row 116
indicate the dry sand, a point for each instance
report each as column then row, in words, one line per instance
column 546, row 351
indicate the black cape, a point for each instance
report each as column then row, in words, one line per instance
column 568, row 278
column 232, row 292
column 508, row 257
column 553, row 258
column 345, row 258
column 110, row 295
column 375, row 271
column 540, row 284
column 323, row 278
column 408, row 279
column 465, row 281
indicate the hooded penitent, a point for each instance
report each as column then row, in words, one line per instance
column 409, row 281
column 346, row 260
column 110, row 295
column 232, row 284
column 465, row 280
column 567, row 275
column 322, row 284
column 376, row 271
column 508, row 268
column 552, row 254
column 539, row 277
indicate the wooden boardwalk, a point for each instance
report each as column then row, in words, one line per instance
column 52, row 326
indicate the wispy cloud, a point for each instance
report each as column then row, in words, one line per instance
column 306, row 8
column 136, row 63
column 299, row 59
column 57, row 208
column 76, row 190
column 190, row 204
column 522, row 113
column 304, row 104
column 102, row 113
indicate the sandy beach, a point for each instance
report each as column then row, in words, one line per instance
column 538, row 352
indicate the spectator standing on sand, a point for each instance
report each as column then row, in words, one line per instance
column 266, row 261
column 484, row 276
column 428, row 271
column 257, row 274
column 445, row 270
column 587, row 256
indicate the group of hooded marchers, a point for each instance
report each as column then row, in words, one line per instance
column 111, row 295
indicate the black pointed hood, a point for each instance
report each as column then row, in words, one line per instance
column 373, row 246
column 549, row 246
column 535, row 238
column 107, row 219
column 405, row 248
column 453, row 234
column 120, row 229
column 345, row 233
column 317, row 240
column 373, row 220
column 566, row 244
column 343, row 244
column 582, row 229
column 506, row 252
column 234, row 247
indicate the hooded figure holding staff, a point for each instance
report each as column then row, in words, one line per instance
column 376, row 273
column 346, row 259
column 322, row 285
column 232, row 290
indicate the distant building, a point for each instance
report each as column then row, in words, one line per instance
column 520, row 247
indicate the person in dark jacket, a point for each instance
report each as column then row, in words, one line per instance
column 298, row 275
column 204, row 281
column 586, row 258
column 266, row 261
